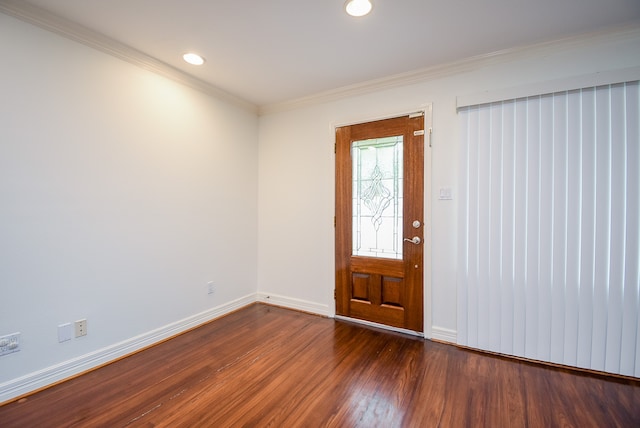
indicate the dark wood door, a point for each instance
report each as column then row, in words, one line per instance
column 379, row 221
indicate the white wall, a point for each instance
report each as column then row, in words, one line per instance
column 296, row 202
column 122, row 194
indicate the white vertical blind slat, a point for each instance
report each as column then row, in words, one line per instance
column 574, row 223
column 617, row 227
column 630, row 340
column 484, row 224
column 473, row 241
column 603, row 231
column 559, row 228
column 588, row 223
column 463, row 276
column 533, row 228
column 520, row 230
column 550, row 224
column 545, row 233
column 495, row 225
column 507, row 265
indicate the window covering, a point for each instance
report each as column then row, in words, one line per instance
column 549, row 227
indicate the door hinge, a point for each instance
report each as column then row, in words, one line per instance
column 335, row 147
column 334, row 221
column 335, row 294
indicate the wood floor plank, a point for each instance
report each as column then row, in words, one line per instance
column 264, row 366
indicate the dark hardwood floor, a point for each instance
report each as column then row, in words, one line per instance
column 265, row 366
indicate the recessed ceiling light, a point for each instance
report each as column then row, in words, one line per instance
column 358, row 7
column 193, row 59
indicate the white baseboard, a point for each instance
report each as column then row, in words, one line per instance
column 291, row 303
column 444, row 334
column 67, row 369
column 70, row 368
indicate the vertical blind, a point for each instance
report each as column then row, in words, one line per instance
column 549, row 228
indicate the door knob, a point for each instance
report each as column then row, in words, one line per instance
column 415, row 240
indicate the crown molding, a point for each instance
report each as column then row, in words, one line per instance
column 71, row 30
column 628, row 31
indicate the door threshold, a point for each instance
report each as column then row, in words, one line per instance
column 378, row 325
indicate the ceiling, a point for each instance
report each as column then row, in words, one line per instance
column 271, row 51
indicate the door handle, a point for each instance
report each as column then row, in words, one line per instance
column 415, row 240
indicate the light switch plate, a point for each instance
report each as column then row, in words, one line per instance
column 65, row 332
column 445, row 194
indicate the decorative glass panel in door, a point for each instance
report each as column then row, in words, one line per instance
column 377, row 197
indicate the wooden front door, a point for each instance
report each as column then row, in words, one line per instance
column 379, row 221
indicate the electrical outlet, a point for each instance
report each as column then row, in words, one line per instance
column 210, row 287
column 65, row 332
column 9, row 343
column 81, row 328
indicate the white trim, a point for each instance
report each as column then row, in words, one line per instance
column 359, row 119
column 292, row 303
column 380, row 326
column 48, row 21
column 611, row 34
column 444, row 334
column 67, row 369
column 549, row 87
column 427, row 220
column 71, row 30
column 70, row 368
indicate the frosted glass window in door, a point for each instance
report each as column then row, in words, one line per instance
column 377, row 197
